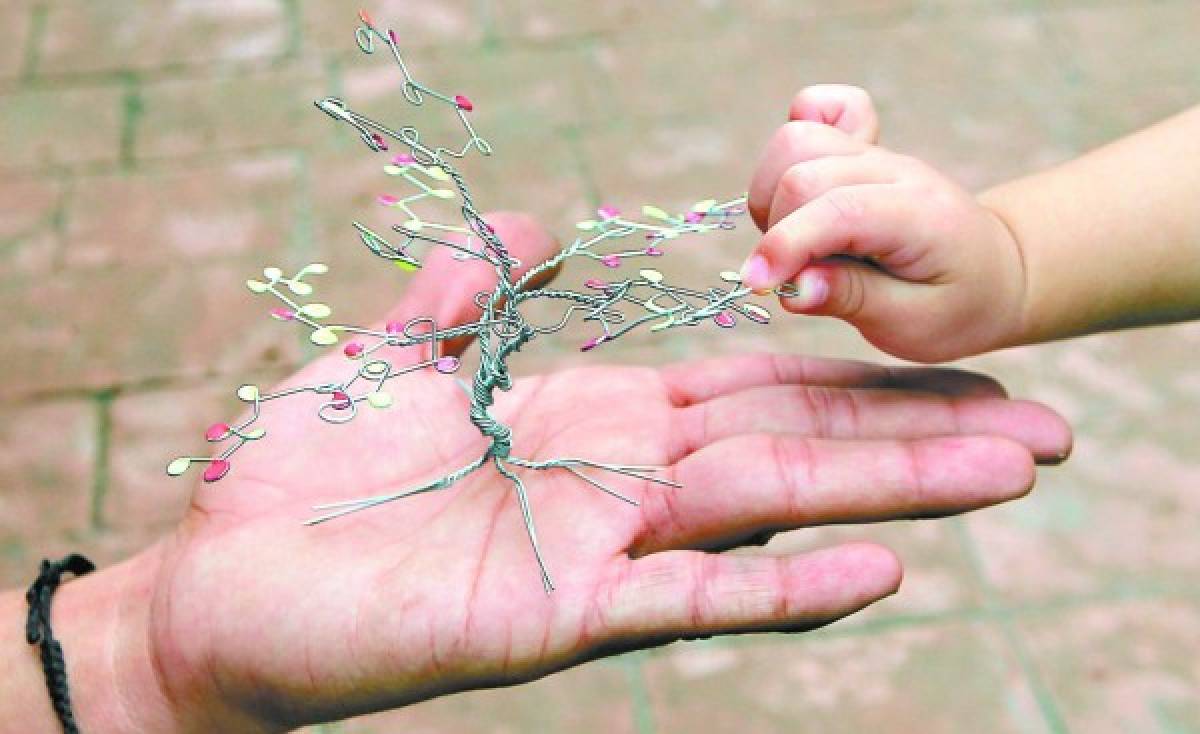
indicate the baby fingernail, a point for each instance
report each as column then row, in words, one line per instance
column 755, row 272
column 813, row 290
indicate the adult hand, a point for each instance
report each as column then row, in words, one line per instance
column 246, row 620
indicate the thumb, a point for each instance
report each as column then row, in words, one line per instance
column 854, row 291
column 843, row 106
column 920, row 322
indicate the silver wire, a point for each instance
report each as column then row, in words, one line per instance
column 501, row 329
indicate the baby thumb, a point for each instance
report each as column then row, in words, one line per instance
column 843, row 106
column 846, row 289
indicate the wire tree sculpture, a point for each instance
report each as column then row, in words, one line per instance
column 617, row 306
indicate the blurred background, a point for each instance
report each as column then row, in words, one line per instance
column 155, row 154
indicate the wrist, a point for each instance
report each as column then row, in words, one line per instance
column 103, row 622
column 1014, row 306
column 100, row 622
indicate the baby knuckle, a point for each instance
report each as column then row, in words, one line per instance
column 858, row 91
column 857, row 96
column 908, row 166
column 942, row 206
column 844, row 208
column 803, row 96
column 854, row 296
column 802, row 136
column 799, row 182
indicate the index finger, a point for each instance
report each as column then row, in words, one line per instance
column 795, row 142
column 741, row 485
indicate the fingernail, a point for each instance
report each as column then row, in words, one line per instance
column 755, row 272
column 813, row 290
column 1051, row 461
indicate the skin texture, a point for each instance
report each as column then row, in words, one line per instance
column 244, row 620
column 928, row 272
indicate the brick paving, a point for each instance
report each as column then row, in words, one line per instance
column 152, row 154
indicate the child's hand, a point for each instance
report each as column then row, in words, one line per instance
column 879, row 239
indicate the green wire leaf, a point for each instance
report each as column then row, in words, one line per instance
column 655, row 213
column 299, row 287
column 316, row 310
column 380, row 399
column 323, row 337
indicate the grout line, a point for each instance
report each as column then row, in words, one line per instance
column 335, row 78
column 1041, row 691
column 573, row 137
column 164, row 164
column 301, row 241
column 1006, row 625
column 1069, row 72
column 642, row 32
column 145, row 385
column 903, row 621
column 154, row 164
column 335, row 85
column 491, row 37
column 33, row 43
column 974, row 561
column 199, row 71
column 132, row 107
column 59, row 221
column 294, row 20
column 975, row 614
column 635, row 675
column 102, row 468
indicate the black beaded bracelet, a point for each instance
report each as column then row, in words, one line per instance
column 37, row 632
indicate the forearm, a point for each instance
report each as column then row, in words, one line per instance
column 1111, row 239
column 101, row 621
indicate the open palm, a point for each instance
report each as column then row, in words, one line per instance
column 288, row 624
